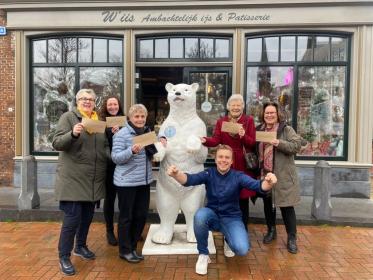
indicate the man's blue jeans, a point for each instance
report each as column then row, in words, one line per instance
column 233, row 229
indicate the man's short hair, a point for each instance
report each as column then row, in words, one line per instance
column 224, row 147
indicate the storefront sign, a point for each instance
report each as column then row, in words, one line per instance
column 182, row 18
column 190, row 17
column 2, row 30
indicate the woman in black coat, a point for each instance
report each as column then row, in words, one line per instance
column 111, row 108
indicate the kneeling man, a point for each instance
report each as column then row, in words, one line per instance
column 222, row 212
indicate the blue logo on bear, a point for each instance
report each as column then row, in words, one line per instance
column 170, row 131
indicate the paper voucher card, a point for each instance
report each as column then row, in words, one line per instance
column 264, row 136
column 145, row 139
column 115, row 121
column 93, row 126
column 231, row 127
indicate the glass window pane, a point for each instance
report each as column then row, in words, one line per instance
column 53, row 93
column 39, row 51
column 54, row 51
column 222, row 48
column 69, row 50
column 213, row 89
column 99, row 50
column 254, row 50
column 146, row 48
column 305, row 48
column 321, row 103
column 103, row 80
column 85, row 49
column 288, row 48
column 115, row 50
column 161, row 48
column 270, row 84
column 176, row 48
column 339, row 49
column 206, row 48
column 191, row 48
column 270, row 52
column 322, row 49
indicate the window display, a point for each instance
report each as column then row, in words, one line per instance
column 57, row 74
column 312, row 97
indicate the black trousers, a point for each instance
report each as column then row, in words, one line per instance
column 110, row 195
column 133, row 210
column 244, row 206
column 76, row 222
column 287, row 213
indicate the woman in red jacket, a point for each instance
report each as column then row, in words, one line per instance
column 244, row 139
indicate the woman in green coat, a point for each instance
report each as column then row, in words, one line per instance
column 80, row 178
column 278, row 157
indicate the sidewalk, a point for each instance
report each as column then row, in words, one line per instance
column 29, row 251
column 346, row 211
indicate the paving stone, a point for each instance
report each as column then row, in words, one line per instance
column 29, row 251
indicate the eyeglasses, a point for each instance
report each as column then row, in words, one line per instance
column 85, row 99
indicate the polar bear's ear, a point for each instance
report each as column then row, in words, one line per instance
column 169, row 86
column 195, row 87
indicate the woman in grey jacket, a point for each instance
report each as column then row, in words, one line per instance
column 132, row 178
column 278, row 157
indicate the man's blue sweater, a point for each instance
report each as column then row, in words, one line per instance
column 223, row 191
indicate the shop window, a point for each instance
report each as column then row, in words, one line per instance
column 194, row 48
column 59, row 68
column 313, row 98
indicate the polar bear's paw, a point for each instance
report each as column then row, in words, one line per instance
column 163, row 235
column 193, row 144
column 161, row 152
column 190, row 235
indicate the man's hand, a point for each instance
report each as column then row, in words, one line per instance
column 175, row 173
column 269, row 180
column 172, row 171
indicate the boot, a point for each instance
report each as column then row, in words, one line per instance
column 271, row 235
column 292, row 244
column 111, row 239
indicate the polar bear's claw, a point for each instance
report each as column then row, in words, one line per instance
column 162, row 236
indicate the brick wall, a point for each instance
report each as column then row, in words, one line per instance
column 7, row 100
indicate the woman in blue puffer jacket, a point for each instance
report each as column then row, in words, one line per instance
column 132, row 178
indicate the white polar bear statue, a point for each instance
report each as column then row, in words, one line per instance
column 183, row 129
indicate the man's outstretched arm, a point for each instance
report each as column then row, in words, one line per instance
column 175, row 173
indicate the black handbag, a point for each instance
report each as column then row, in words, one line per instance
column 251, row 159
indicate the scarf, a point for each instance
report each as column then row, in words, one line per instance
column 150, row 150
column 266, row 152
column 93, row 116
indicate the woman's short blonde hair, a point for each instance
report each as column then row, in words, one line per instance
column 235, row 97
column 137, row 108
column 89, row 91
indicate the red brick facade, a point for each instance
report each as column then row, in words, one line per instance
column 7, row 105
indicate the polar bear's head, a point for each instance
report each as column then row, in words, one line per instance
column 182, row 97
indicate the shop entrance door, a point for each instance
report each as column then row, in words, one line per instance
column 214, row 89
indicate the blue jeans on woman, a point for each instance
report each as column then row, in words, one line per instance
column 232, row 228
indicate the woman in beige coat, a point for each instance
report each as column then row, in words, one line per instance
column 278, row 157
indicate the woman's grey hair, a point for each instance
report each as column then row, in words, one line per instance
column 91, row 92
column 137, row 108
column 235, row 97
